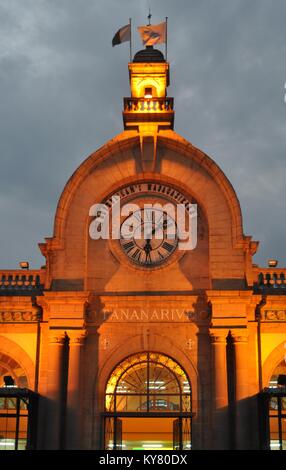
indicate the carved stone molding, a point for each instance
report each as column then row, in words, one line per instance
column 239, row 339
column 273, row 315
column 77, row 340
column 104, row 344
column 218, row 339
column 57, row 339
column 17, row 316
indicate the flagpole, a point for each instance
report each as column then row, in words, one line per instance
column 166, row 44
column 130, row 40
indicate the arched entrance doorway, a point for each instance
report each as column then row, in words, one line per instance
column 277, row 409
column 148, row 405
column 15, row 405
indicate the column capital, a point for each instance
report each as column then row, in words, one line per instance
column 57, row 338
column 237, row 338
column 77, row 338
column 217, row 338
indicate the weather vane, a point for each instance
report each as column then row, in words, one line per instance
column 149, row 17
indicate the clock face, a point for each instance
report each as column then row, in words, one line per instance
column 149, row 236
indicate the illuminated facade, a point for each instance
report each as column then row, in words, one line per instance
column 135, row 346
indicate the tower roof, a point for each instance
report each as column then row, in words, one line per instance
column 149, row 55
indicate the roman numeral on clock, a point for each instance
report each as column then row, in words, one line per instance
column 136, row 255
column 168, row 247
column 128, row 246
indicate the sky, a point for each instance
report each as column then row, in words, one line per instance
column 61, row 90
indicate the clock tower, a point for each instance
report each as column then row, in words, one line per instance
column 148, row 110
column 148, row 106
column 138, row 299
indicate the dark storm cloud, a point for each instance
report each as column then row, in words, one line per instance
column 61, row 89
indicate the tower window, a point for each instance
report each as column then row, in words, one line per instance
column 148, row 93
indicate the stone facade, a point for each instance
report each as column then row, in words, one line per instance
column 67, row 326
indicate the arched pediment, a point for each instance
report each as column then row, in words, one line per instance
column 130, row 139
column 179, row 163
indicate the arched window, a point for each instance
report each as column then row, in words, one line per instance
column 148, row 404
column 148, row 382
column 276, row 400
column 15, row 406
column 8, row 366
column 279, row 370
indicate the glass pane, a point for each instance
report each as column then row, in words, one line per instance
column 22, row 444
column 283, row 422
column 148, row 375
column 23, row 426
column 124, row 366
column 109, row 402
column 134, row 380
column 273, row 406
column 109, row 433
column 7, row 443
column 131, row 403
column 186, row 433
column 164, row 403
column 7, row 403
column 176, row 434
column 162, row 380
column 118, row 434
column 7, row 433
column 279, row 370
column 172, row 366
column 186, row 403
column 274, row 434
column 164, row 373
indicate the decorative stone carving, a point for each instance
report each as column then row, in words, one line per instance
column 58, row 339
column 274, row 315
column 190, row 344
column 218, row 339
column 17, row 316
column 105, row 344
column 240, row 339
column 77, row 340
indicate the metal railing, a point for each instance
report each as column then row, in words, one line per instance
column 144, row 105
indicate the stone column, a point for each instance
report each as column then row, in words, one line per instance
column 54, row 391
column 241, row 392
column 220, row 392
column 72, row 430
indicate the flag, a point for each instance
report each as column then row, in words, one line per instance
column 122, row 35
column 153, row 34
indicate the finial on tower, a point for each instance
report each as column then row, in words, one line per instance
column 149, row 17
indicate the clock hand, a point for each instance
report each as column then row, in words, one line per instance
column 163, row 226
column 148, row 248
